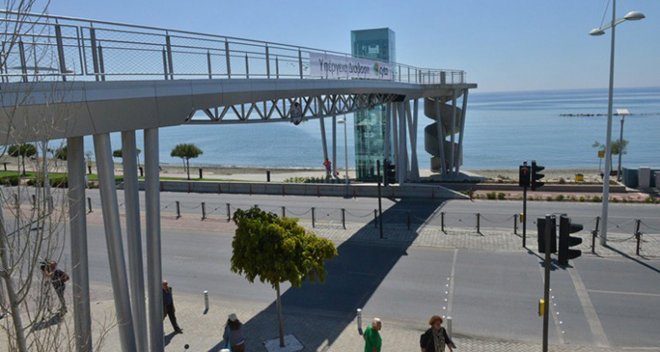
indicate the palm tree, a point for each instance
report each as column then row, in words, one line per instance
column 618, row 146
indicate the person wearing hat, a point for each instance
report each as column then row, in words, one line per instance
column 435, row 339
column 372, row 340
column 233, row 335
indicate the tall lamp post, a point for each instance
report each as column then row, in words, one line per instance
column 630, row 16
column 623, row 113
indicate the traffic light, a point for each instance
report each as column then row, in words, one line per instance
column 536, row 176
column 390, row 172
column 523, row 175
column 566, row 241
column 540, row 226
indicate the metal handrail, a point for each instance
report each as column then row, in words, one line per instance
column 169, row 51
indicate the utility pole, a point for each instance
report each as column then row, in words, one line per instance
column 549, row 224
column 380, row 201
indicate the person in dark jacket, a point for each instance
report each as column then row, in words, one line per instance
column 58, row 279
column 435, row 339
column 234, row 334
column 168, row 307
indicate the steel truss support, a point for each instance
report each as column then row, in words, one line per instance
column 412, row 131
column 441, row 137
column 113, row 237
column 278, row 110
column 452, row 135
column 82, row 319
column 134, row 237
column 459, row 159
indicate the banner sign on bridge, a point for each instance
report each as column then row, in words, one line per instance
column 342, row 67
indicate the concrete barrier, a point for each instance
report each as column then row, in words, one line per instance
column 420, row 191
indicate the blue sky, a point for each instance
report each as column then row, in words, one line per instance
column 504, row 45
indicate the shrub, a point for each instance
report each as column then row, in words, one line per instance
column 582, row 199
column 549, row 198
column 562, row 180
column 560, row 198
column 11, row 180
column 491, row 195
column 59, row 181
column 597, row 199
column 501, row 196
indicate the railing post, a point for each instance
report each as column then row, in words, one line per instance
column 283, row 211
column 478, row 223
column 594, row 234
column 277, row 67
column 95, row 60
column 170, row 64
column 515, row 224
column 408, row 74
column 399, row 73
column 313, row 218
column 442, row 222
column 300, row 65
column 267, row 62
column 375, row 218
column 228, row 59
column 247, row 66
column 203, row 211
column 228, row 212
column 343, row 218
column 178, row 209
column 165, row 64
column 208, row 63
column 101, row 63
column 89, row 205
column 21, row 52
column 60, row 51
column 638, row 235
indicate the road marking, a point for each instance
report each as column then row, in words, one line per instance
column 626, row 293
column 553, row 311
column 450, row 298
column 600, row 339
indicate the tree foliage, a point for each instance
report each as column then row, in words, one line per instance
column 117, row 153
column 275, row 250
column 60, row 153
column 22, row 151
column 186, row 151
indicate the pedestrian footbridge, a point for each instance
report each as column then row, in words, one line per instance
column 63, row 77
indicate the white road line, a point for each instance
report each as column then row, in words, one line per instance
column 600, row 339
column 552, row 310
column 450, row 298
column 626, row 293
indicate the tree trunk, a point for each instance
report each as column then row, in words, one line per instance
column 188, row 168
column 21, row 343
column 23, row 163
column 279, row 315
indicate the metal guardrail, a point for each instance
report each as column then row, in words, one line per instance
column 55, row 47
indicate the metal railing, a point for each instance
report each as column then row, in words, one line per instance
column 56, row 47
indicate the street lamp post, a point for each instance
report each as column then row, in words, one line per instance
column 622, row 113
column 630, row 16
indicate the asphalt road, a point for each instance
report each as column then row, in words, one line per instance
column 458, row 213
column 607, row 301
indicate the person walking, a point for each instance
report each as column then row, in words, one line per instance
column 58, row 279
column 233, row 335
column 372, row 340
column 168, row 307
column 435, row 338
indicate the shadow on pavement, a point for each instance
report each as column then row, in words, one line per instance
column 318, row 313
column 46, row 323
column 648, row 266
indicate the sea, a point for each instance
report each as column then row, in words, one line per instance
column 556, row 128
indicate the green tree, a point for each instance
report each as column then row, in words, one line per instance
column 60, row 153
column 618, row 146
column 277, row 250
column 186, row 151
column 22, row 151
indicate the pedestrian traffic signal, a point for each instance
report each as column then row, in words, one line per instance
column 523, row 175
column 390, row 172
column 536, row 176
column 540, row 226
column 566, row 241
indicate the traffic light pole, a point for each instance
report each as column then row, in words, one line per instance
column 546, row 288
column 524, row 219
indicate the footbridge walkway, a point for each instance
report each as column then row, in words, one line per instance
column 63, row 77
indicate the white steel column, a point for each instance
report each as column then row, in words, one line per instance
column 441, row 137
column 323, row 140
column 462, row 131
column 402, row 169
column 154, row 265
column 395, row 137
column 452, row 139
column 134, row 237
column 112, row 226
column 82, row 319
column 387, row 136
column 412, row 132
column 334, row 145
